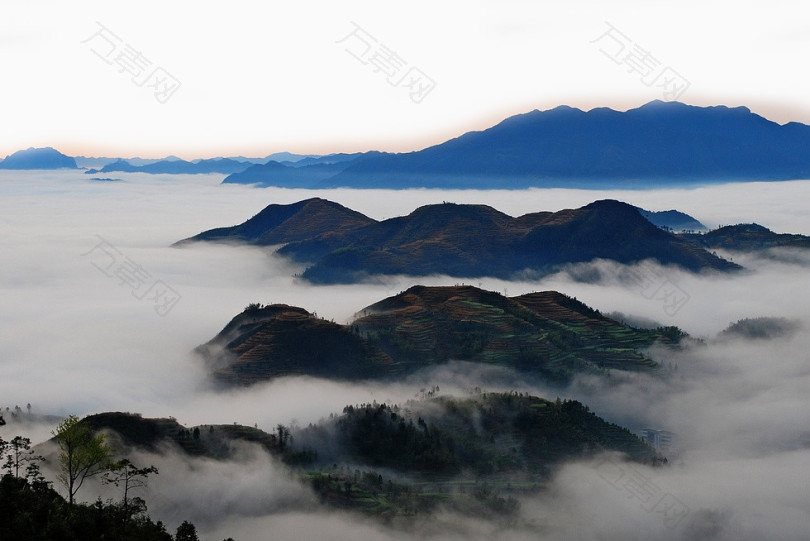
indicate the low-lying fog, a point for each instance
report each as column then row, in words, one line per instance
column 77, row 338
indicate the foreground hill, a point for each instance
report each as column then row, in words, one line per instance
column 344, row 246
column 746, row 238
column 474, row 453
column 35, row 511
column 547, row 335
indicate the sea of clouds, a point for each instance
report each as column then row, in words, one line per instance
column 77, row 338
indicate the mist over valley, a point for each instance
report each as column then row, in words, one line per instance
column 100, row 314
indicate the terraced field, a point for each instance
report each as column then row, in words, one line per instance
column 544, row 334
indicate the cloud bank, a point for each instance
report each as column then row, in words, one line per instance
column 75, row 338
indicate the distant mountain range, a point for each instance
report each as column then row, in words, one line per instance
column 49, row 158
column 548, row 335
column 90, row 162
column 290, row 170
column 286, row 176
column 38, row 158
column 660, row 142
column 306, row 173
column 673, row 220
column 344, row 246
column 219, row 165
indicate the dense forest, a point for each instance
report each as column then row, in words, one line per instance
column 473, row 455
column 33, row 510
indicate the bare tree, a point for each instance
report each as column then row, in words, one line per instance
column 125, row 473
column 20, row 455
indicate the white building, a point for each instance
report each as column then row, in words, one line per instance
column 663, row 441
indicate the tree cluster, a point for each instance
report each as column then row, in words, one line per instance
column 31, row 509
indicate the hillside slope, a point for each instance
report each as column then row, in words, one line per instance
column 467, row 454
column 545, row 335
column 473, row 241
column 747, row 238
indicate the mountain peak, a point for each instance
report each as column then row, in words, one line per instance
column 665, row 142
column 751, row 228
column 38, row 158
column 614, row 210
column 450, row 211
column 281, row 224
column 564, row 109
column 612, row 204
column 661, row 104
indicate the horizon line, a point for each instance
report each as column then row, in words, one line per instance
column 187, row 156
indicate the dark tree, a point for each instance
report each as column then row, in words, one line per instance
column 37, row 512
column 186, row 532
column 283, row 436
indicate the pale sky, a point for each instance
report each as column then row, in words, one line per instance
column 257, row 77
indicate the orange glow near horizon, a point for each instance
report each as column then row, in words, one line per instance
column 387, row 142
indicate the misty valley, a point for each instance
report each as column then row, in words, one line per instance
column 391, row 364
